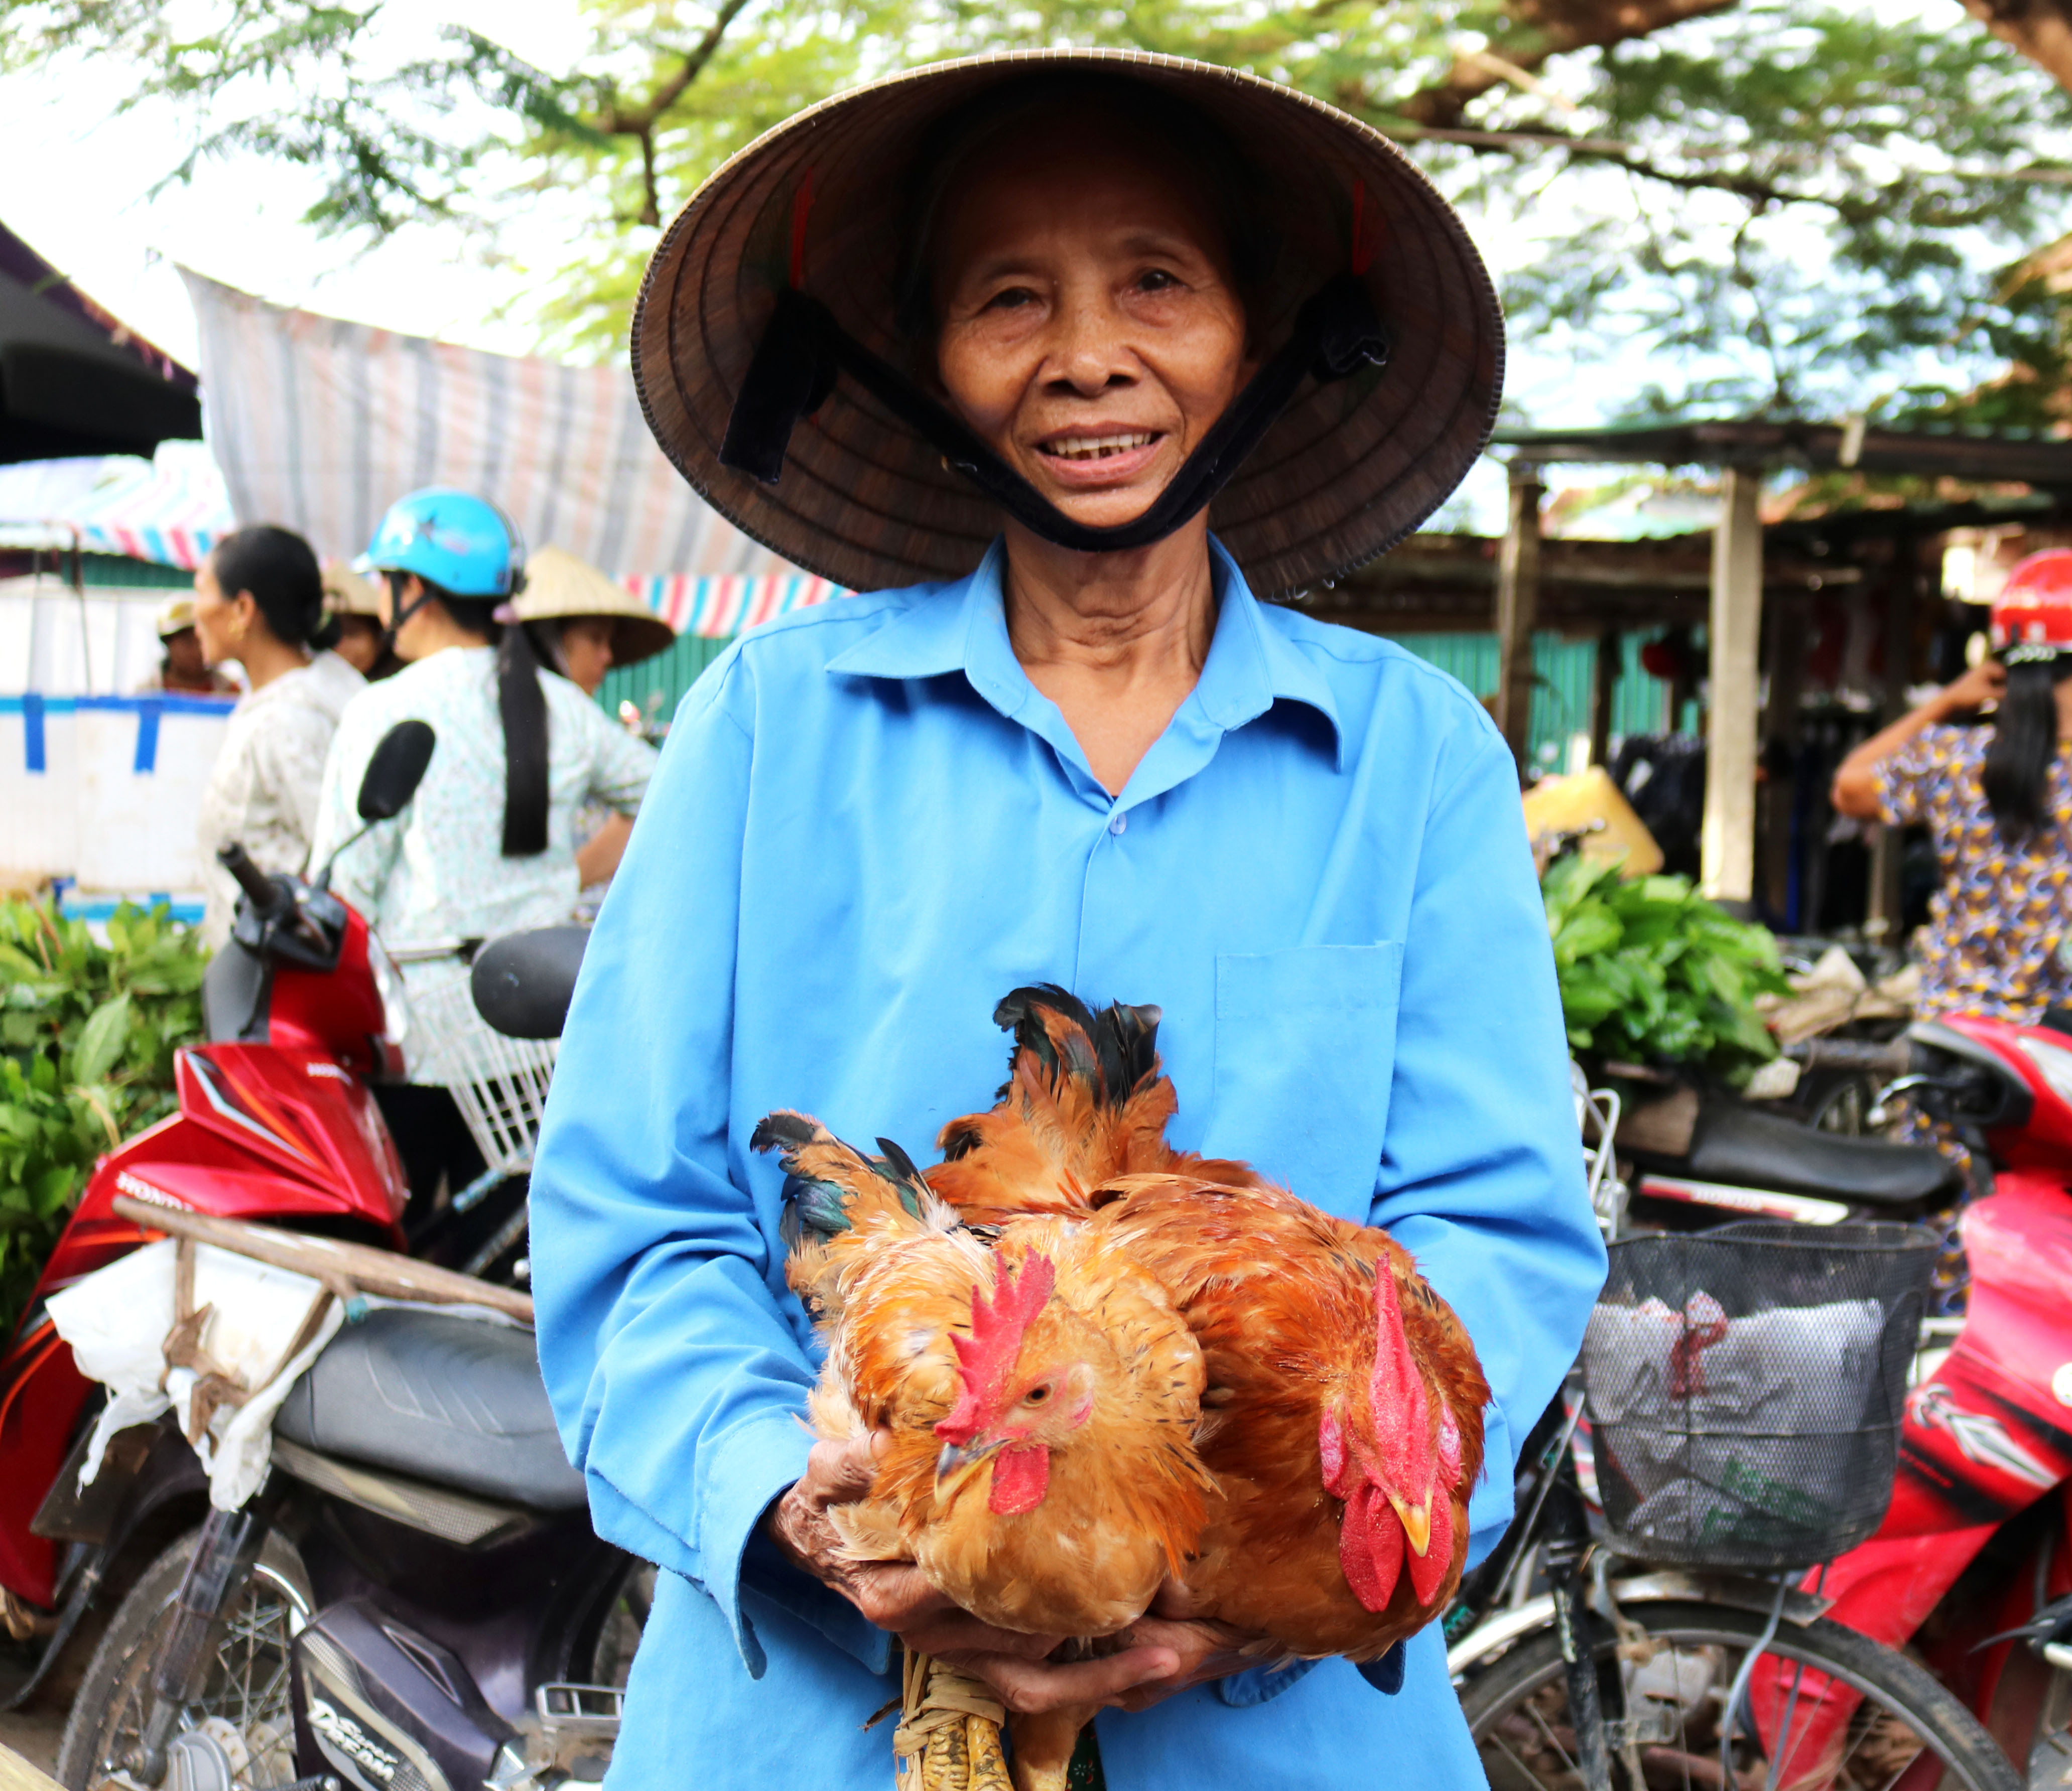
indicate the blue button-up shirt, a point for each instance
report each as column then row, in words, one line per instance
column 867, row 826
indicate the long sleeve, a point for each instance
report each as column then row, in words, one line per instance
column 678, row 1380
column 1481, row 1177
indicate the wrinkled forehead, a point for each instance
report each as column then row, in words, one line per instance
column 1076, row 162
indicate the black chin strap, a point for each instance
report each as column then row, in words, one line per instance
column 1337, row 332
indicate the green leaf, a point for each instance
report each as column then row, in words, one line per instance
column 101, row 1041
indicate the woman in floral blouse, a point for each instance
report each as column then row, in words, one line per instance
column 1996, row 799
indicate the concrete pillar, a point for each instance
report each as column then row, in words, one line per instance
column 1727, row 846
column 1518, row 610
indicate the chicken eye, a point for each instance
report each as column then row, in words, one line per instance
column 1036, row 1395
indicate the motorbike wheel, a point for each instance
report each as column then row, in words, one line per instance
column 246, row 1703
column 1910, row 1730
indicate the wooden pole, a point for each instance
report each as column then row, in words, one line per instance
column 1604, row 690
column 1517, row 611
column 345, row 1268
column 17, row 1774
column 1885, row 898
column 1727, row 851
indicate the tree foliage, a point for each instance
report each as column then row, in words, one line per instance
column 1803, row 208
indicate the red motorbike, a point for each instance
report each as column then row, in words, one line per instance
column 1972, row 1568
column 276, row 1121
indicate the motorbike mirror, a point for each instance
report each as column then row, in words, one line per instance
column 395, row 770
column 523, row 982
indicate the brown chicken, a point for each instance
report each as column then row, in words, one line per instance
column 1040, row 1395
column 1342, row 1414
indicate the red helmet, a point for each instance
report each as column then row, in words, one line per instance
column 2033, row 615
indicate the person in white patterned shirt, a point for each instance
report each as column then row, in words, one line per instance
column 259, row 600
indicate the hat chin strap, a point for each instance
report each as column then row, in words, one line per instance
column 1337, row 332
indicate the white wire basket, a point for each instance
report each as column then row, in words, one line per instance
column 499, row 1084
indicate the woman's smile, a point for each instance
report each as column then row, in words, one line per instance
column 1089, row 459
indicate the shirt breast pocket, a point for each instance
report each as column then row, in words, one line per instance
column 1305, row 1043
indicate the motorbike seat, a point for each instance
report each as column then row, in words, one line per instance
column 455, row 1401
column 1744, row 1148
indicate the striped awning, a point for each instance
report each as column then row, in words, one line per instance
column 718, row 607
column 169, row 510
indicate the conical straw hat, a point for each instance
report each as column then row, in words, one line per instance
column 558, row 585
column 1350, row 468
column 346, row 593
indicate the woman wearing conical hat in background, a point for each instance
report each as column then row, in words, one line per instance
column 584, row 622
column 363, row 638
column 1071, row 360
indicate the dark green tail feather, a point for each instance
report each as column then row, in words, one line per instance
column 1124, row 1040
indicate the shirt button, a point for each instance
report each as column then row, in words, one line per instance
column 1117, row 821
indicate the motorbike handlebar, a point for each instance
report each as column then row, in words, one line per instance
column 266, row 895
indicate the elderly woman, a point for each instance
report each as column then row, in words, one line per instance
column 259, row 600
column 996, row 334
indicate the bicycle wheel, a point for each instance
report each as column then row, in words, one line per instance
column 1664, row 1688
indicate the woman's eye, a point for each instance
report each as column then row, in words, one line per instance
column 1155, row 279
column 1009, row 298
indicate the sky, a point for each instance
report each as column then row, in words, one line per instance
column 75, row 184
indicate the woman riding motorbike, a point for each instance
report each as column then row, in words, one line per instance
column 487, row 846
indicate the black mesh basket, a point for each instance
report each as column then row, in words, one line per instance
column 1745, row 1388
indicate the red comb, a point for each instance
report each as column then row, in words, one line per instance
column 986, row 1357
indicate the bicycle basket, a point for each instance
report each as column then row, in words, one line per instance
column 1745, row 1388
column 499, row 1084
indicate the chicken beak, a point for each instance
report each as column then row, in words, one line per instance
column 1416, row 1523
column 958, row 1459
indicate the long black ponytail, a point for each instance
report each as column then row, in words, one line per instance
column 2017, row 773
column 521, row 702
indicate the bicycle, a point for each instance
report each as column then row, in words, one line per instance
column 1582, row 1663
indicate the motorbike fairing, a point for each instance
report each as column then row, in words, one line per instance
column 383, row 1706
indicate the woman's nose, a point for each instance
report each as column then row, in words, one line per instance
column 1090, row 353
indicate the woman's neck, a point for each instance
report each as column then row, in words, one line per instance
column 1116, row 640
column 266, row 657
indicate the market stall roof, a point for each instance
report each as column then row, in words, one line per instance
column 2004, row 455
column 75, row 378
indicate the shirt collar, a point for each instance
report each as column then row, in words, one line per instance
column 962, row 626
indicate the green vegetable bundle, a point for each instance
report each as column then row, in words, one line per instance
column 87, row 1035
column 1650, row 970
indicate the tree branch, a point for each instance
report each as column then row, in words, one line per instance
column 2041, row 29
column 1547, row 28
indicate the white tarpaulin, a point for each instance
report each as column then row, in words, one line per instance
column 320, row 425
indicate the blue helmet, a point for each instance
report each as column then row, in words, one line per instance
column 462, row 543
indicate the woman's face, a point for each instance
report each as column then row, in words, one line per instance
column 220, row 624
column 587, row 651
column 358, row 642
column 1090, row 330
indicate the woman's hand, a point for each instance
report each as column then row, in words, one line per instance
column 1855, row 790
column 1168, row 1650
column 891, row 1594
column 1985, row 683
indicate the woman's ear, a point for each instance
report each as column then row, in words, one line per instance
column 243, row 613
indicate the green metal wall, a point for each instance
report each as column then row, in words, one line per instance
column 1566, row 671
column 656, row 686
